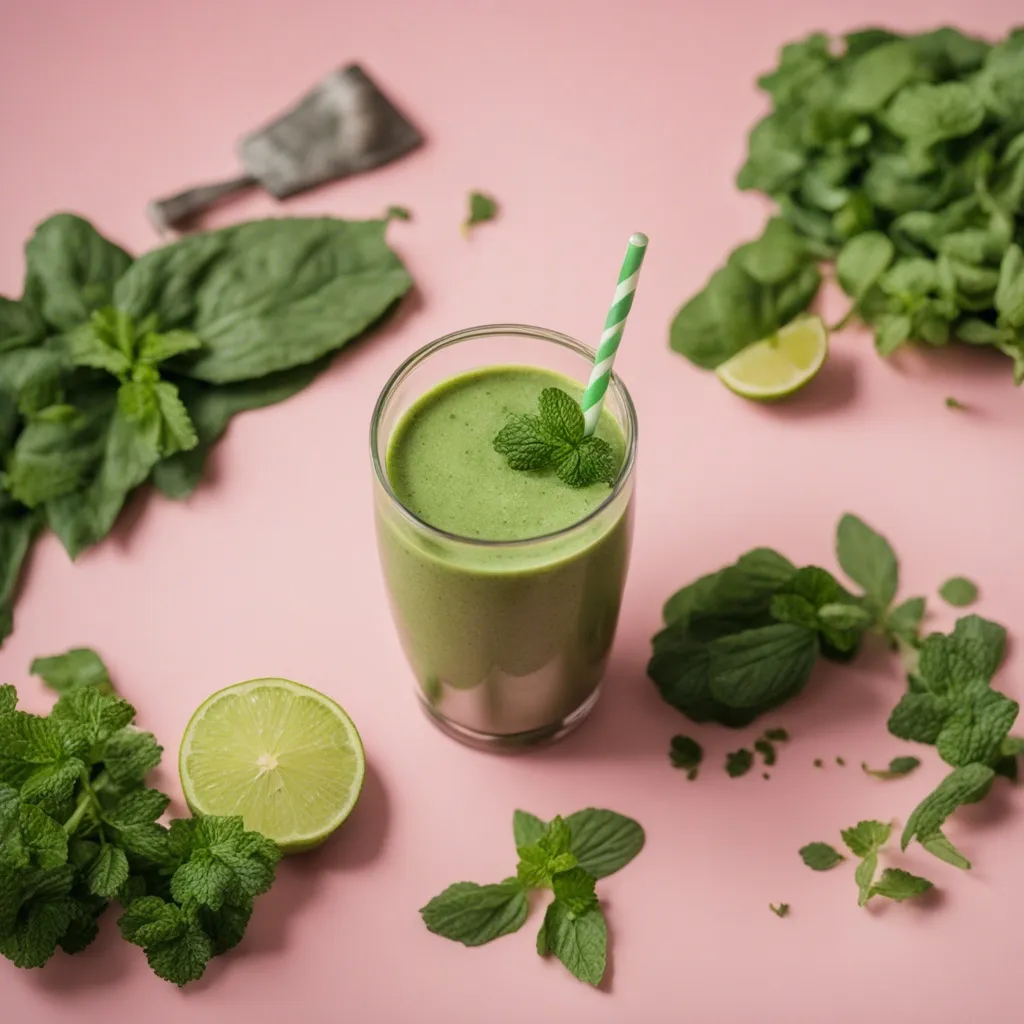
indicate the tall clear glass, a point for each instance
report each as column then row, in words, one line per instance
column 508, row 640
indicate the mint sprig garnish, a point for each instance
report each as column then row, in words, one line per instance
column 566, row 856
column 555, row 440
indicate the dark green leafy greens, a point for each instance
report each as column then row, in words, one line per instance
column 116, row 371
column 900, row 159
column 566, row 856
column 79, row 828
column 686, row 753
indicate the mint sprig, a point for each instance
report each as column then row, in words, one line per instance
column 79, row 829
column 566, row 856
column 555, row 439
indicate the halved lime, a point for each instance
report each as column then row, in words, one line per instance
column 779, row 365
column 280, row 754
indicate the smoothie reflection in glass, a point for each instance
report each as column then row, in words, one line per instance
column 505, row 586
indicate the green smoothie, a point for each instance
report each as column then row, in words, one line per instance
column 508, row 616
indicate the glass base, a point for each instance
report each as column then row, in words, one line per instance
column 510, row 742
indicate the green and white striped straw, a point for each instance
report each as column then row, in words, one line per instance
column 614, row 324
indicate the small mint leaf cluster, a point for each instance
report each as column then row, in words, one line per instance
column 555, row 439
column 566, row 856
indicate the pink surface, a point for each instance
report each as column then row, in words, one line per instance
column 588, row 121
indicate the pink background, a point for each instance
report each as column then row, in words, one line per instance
column 588, row 121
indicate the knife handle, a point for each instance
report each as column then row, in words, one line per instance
column 177, row 212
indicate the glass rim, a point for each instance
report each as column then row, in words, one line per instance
column 481, row 331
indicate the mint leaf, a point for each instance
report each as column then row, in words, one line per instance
column 868, row 559
column 898, row 767
column 782, row 910
column 820, row 856
column 603, row 842
column 958, row 591
column 524, row 444
column 575, row 889
column 866, row 837
column 177, row 948
column 527, row 828
column 177, row 434
column 482, row 208
column 97, row 343
column 918, row 717
column 864, row 876
column 561, row 416
column 130, row 755
column 548, row 856
column 108, row 872
column 965, row 785
column 904, row 621
column 78, row 668
column 896, row 884
column 589, row 461
column 224, row 864
column 474, row 914
column 154, row 348
column 939, row 846
column 976, row 729
column 580, row 941
column 686, row 753
column 738, row 762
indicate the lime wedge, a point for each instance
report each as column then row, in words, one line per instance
column 283, row 756
column 779, row 365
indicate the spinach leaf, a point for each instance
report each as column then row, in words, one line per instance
column 268, row 295
column 211, row 407
column 20, row 325
column 71, row 270
column 18, row 528
column 132, row 449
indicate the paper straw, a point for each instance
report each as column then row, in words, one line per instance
column 614, row 324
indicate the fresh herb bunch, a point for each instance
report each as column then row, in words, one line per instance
column 79, row 828
column 115, row 371
column 744, row 639
column 900, row 159
column 554, row 439
column 566, row 856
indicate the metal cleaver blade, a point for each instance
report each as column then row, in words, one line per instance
column 344, row 125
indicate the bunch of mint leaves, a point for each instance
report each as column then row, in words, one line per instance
column 116, row 371
column 555, row 439
column 566, row 856
column 743, row 640
column 900, row 159
column 79, row 828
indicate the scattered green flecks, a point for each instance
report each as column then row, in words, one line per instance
column 482, row 208
column 765, row 776
column 818, row 763
column 398, row 213
column 953, row 403
column 898, row 767
column 959, row 592
column 767, row 751
column 779, row 909
column 686, row 753
column 738, row 762
column 840, row 762
column 776, row 735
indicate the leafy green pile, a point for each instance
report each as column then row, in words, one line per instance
column 79, row 828
column 566, row 856
column 901, row 159
column 745, row 639
column 116, row 371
